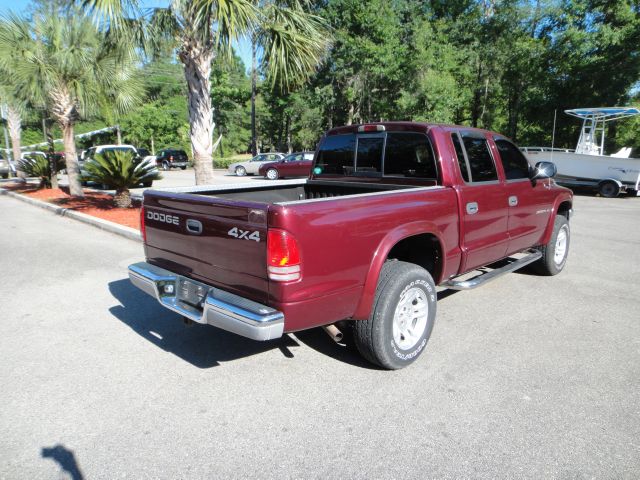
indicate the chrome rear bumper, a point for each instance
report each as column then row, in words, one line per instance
column 215, row 307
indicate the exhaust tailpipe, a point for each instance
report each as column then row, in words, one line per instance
column 333, row 332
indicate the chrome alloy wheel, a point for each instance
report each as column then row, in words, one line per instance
column 272, row 174
column 560, row 250
column 410, row 318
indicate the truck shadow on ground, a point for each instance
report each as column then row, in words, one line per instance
column 65, row 458
column 201, row 345
column 205, row 346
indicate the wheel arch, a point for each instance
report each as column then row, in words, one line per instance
column 562, row 206
column 403, row 243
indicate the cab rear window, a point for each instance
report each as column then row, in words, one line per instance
column 390, row 154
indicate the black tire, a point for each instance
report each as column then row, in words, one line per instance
column 241, row 171
column 549, row 264
column 609, row 189
column 183, row 168
column 5, row 175
column 166, row 166
column 272, row 174
column 147, row 184
column 379, row 339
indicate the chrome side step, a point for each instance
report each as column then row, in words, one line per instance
column 493, row 274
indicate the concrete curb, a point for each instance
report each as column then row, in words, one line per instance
column 127, row 232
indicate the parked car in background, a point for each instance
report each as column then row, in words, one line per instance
column 296, row 164
column 172, row 158
column 89, row 154
column 5, row 167
column 251, row 167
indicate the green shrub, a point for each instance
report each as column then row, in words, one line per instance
column 226, row 161
column 119, row 170
column 38, row 165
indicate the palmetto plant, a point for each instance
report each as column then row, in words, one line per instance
column 120, row 170
column 38, row 165
column 64, row 63
column 293, row 40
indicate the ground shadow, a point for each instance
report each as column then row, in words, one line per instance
column 345, row 352
column 201, row 345
column 65, row 458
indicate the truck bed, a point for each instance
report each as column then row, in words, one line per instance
column 291, row 191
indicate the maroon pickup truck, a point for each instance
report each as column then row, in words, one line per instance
column 389, row 211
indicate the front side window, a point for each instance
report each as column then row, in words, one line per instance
column 480, row 161
column 513, row 161
column 409, row 154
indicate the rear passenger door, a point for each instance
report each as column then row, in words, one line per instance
column 483, row 198
column 528, row 211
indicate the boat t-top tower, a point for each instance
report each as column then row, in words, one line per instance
column 594, row 124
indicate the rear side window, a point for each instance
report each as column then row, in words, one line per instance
column 336, row 153
column 409, row 155
column 462, row 162
column 480, row 161
column 513, row 161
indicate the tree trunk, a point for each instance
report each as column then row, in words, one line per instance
column 197, row 59
column 14, row 125
column 122, row 198
column 65, row 110
column 71, row 159
column 254, row 77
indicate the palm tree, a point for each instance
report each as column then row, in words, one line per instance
column 293, row 39
column 64, row 63
column 13, row 110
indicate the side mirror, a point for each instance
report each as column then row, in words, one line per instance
column 543, row 170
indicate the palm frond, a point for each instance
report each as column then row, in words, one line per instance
column 119, row 169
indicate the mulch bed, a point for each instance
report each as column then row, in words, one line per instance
column 95, row 204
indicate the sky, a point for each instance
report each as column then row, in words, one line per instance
column 243, row 47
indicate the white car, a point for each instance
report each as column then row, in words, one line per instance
column 252, row 166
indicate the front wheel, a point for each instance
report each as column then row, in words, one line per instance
column 402, row 317
column 241, row 171
column 555, row 253
column 183, row 168
column 272, row 174
column 147, row 184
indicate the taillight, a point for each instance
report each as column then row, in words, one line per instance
column 171, row 158
column 143, row 231
column 283, row 256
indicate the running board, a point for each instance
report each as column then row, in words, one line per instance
column 493, row 274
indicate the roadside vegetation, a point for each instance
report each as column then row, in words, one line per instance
column 506, row 66
column 120, row 171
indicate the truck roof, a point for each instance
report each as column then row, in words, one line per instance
column 399, row 126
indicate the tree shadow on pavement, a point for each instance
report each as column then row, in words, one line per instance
column 65, row 458
column 203, row 346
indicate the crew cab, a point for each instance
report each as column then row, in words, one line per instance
column 390, row 211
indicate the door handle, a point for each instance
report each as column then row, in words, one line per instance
column 472, row 207
column 513, row 201
column 194, row 226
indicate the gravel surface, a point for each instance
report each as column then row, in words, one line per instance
column 526, row 377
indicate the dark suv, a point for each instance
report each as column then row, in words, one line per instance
column 170, row 158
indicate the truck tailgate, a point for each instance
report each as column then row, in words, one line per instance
column 216, row 241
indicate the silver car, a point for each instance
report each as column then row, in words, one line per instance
column 252, row 166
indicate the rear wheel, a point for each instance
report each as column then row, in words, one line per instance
column 555, row 253
column 402, row 317
column 166, row 166
column 147, row 184
column 609, row 189
column 272, row 174
column 241, row 171
column 183, row 168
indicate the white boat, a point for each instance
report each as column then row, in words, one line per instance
column 587, row 165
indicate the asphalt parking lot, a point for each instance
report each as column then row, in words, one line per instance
column 526, row 377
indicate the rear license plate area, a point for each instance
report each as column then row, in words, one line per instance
column 192, row 293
